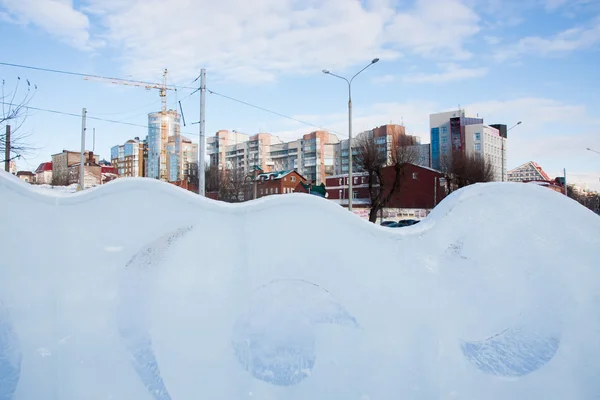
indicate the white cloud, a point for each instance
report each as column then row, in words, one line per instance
column 450, row 73
column 383, row 79
column 492, row 40
column 257, row 41
column 56, row 17
column 552, row 5
column 435, row 28
column 569, row 40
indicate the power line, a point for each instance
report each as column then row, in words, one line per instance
column 195, row 89
column 267, row 110
column 87, row 116
column 60, row 71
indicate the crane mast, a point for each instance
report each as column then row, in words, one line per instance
column 164, row 128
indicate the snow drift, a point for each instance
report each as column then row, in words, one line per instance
column 139, row 290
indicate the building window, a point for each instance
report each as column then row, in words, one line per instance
column 477, row 146
column 276, row 190
column 355, row 194
column 261, row 192
column 355, row 180
column 293, row 178
column 415, row 175
column 340, row 181
column 444, row 139
column 476, row 136
column 340, row 193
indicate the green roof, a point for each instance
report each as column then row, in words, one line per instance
column 274, row 175
column 317, row 190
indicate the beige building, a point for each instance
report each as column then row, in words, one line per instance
column 311, row 156
column 62, row 161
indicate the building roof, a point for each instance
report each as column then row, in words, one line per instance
column 275, row 175
column 317, row 190
column 25, row 173
column 46, row 166
column 528, row 166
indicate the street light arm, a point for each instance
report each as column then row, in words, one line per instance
column 515, row 125
column 355, row 75
column 593, row 151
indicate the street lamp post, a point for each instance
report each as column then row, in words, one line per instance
column 503, row 168
column 593, row 151
column 349, row 82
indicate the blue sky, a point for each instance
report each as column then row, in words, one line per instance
column 531, row 60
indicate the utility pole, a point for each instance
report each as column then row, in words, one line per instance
column 202, row 141
column 94, row 141
column 7, row 150
column 565, row 174
column 435, row 191
column 82, row 155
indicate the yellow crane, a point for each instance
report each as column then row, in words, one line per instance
column 162, row 92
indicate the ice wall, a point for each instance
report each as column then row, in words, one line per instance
column 139, row 290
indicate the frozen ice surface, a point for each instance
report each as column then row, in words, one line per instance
column 139, row 290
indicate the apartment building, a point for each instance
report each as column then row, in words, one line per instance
column 386, row 137
column 459, row 131
column 61, row 162
column 129, row 159
column 530, row 171
column 181, row 155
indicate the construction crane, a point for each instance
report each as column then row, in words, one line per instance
column 162, row 92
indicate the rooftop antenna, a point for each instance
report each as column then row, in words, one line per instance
column 402, row 119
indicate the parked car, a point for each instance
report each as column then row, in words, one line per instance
column 388, row 223
column 404, row 222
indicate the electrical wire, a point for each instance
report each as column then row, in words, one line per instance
column 87, row 116
column 59, row 71
column 267, row 110
column 195, row 89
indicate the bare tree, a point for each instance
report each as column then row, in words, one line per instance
column 211, row 176
column 231, row 185
column 14, row 113
column 461, row 170
column 373, row 158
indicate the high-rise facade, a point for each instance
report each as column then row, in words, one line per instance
column 161, row 126
column 128, row 158
column 385, row 137
column 181, row 153
column 457, row 132
column 312, row 156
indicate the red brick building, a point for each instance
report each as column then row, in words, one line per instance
column 420, row 188
column 279, row 182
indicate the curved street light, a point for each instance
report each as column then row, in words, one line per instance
column 593, row 151
column 514, row 126
column 349, row 82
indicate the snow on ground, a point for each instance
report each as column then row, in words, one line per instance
column 140, row 290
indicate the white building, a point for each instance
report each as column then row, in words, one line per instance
column 459, row 131
column 530, row 171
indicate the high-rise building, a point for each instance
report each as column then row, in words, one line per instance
column 181, row 152
column 128, row 158
column 385, row 137
column 233, row 150
column 161, row 126
column 455, row 132
column 227, row 150
column 312, row 156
